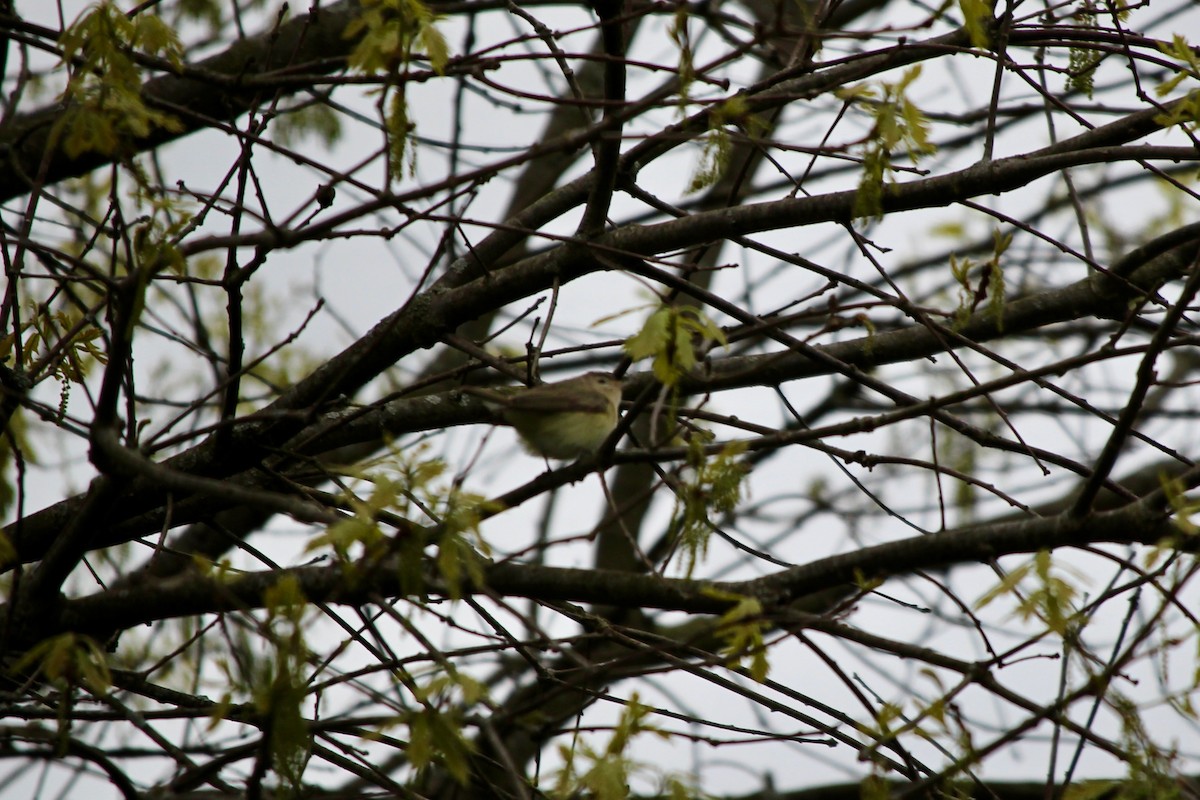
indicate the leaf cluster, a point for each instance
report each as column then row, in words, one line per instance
column 106, row 109
column 897, row 122
column 672, row 336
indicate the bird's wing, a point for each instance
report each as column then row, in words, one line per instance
column 550, row 402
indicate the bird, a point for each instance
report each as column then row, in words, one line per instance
column 565, row 420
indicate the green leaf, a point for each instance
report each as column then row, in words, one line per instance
column 686, row 69
column 1050, row 597
column 391, row 32
column 978, row 16
column 898, row 123
column 742, row 628
column 289, row 740
column 716, row 484
column 610, row 769
column 671, row 336
column 105, row 87
column 461, row 548
column 152, row 35
column 651, row 338
column 436, row 48
column 278, row 683
column 868, row 198
column 1186, row 110
column 1005, row 587
column 437, row 737
column 69, row 659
